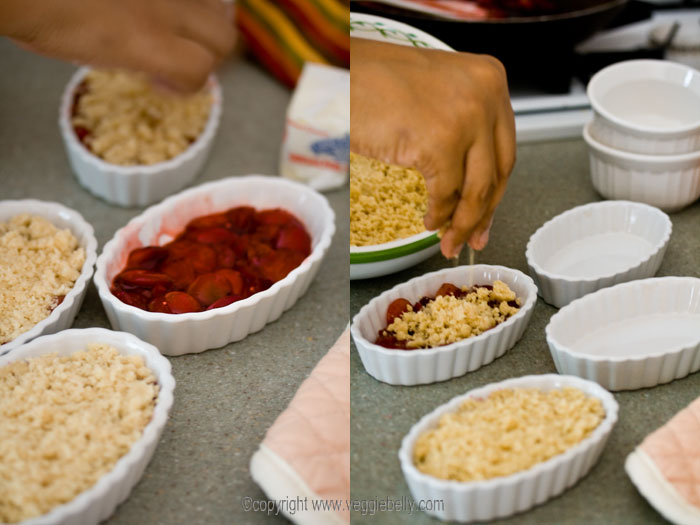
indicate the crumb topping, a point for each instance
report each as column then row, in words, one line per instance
column 126, row 121
column 39, row 264
column 509, row 431
column 387, row 202
column 64, row 423
column 447, row 319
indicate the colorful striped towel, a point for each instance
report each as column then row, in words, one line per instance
column 285, row 34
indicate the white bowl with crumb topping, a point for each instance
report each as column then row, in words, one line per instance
column 430, row 365
column 594, row 246
column 507, row 495
column 63, row 315
column 135, row 185
column 99, row 501
column 186, row 333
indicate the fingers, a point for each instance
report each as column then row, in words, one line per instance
column 476, row 198
column 444, row 185
column 176, row 62
column 205, row 22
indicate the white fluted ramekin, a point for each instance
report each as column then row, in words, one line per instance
column 135, row 185
column 646, row 106
column 177, row 334
column 63, row 315
column 429, row 365
column 632, row 335
column 99, row 501
column 507, row 495
column 669, row 182
column 596, row 232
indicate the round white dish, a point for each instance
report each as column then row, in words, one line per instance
column 632, row 335
column 98, row 502
column 669, row 182
column 392, row 257
column 62, row 217
column 595, row 246
column 507, row 495
column 429, row 365
column 383, row 259
column 646, row 106
column 135, row 185
column 177, row 334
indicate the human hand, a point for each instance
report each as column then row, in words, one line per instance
column 446, row 114
column 176, row 42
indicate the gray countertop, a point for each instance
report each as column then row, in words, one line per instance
column 548, row 179
column 225, row 399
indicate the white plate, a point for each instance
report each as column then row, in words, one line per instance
column 507, row 495
column 594, row 246
column 429, row 365
column 64, row 314
column 99, row 501
column 177, row 334
column 383, row 29
column 630, row 336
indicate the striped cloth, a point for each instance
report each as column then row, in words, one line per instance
column 284, row 34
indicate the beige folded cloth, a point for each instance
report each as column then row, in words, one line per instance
column 305, row 455
column 665, row 468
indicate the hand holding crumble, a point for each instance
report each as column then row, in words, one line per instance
column 446, row 114
column 175, row 42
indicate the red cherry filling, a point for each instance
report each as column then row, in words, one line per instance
column 218, row 259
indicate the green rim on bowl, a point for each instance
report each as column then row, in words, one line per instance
column 393, row 253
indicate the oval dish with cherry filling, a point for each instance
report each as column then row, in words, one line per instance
column 452, row 315
column 218, row 259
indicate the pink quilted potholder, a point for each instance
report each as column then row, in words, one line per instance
column 304, row 461
column 666, row 467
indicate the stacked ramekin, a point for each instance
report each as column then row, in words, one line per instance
column 644, row 139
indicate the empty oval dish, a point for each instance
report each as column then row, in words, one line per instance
column 595, row 246
column 633, row 335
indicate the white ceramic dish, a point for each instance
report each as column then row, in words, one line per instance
column 62, row 217
column 633, row 335
column 135, row 185
column 98, row 502
column 386, row 30
column 647, row 106
column 507, row 495
column 416, row 367
column 198, row 331
column 595, row 246
column 669, row 182
column 392, row 257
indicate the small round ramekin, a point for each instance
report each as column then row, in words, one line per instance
column 99, row 501
column 646, row 106
column 391, row 257
column 507, row 495
column 669, row 182
column 633, row 335
column 63, row 315
column 135, row 185
column 430, row 365
column 177, row 334
column 583, row 231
